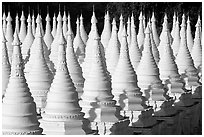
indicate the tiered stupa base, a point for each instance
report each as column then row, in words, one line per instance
column 35, row 132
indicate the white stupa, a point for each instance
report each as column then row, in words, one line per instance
column 22, row 32
column 173, row 25
column 28, row 41
column 54, row 26
column 33, row 24
column 74, row 68
column 134, row 51
column 79, row 46
column 120, row 28
column 89, row 47
column 97, row 100
column 154, row 30
column 148, row 75
column 33, row 49
column 62, row 114
column 69, row 26
column 113, row 50
column 41, row 25
column 83, row 33
column 124, row 85
column 39, row 77
column 106, row 33
column 162, row 35
column 176, row 41
column 155, row 51
column 189, row 35
column 128, row 31
column 64, row 24
column 9, row 36
column 184, row 61
column 48, row 38
column 6, row 67
column 197, row 48
column 169, row 71
column 4, row 22
column 17, row 24
column 140, row 35
column 19, row 115
column 55, row 43
column 199, row 22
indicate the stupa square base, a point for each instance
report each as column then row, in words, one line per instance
column 71, row 127
column 13, row 132
column 112, row 128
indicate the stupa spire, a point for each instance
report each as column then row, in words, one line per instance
column 189, row 35
column 79, row 46
column 17, row 25
column 28, row 41
column 6, row 67
column 69, row 25
column 176, row 42
column 33, row 23
column 48, row 38
column 9, row 36
column 120, row 27
column 83, row 33
column 39, row 77
column 140, row 35
column 22, row 33
column 128, row 31
column 113, row 49
column 134, row 51
column 154, row 30
column 106, row 33
column 54, row 26
column 4, row 22
column 174, row 25
column 64, row 26
column 18, row 109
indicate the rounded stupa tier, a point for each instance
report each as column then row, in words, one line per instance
column 6, row 67
column 62, row 111
column 113, row 50
column 48, row 38
column 19, row 115
column 9, row 36
column 33, row 49
column 154, row 30
column 169, row 71
column 22, row 33
column 64, row 24
column 79, row 46
column 185, row 63
column 148, row 72
column 176, row 41
column 33, row 24
column 28, row 41
column 83, row 33
column 140, row 35
column 124, row 82
column 74, row 68
column 106, row 33
column 39, row 77
column 54, row 26
column 134, row 51
column 189, row 35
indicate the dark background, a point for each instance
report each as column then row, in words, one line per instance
column 193, row 9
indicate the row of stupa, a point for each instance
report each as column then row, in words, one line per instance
column 85, row 83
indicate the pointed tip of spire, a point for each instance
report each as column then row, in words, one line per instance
column 16, row 40
column 59, row 17
column 77, row 21
column 188, row 20
column 64, row 16
column 165, row 16
column 48, row 17
column 153, row 17
column 4, row 16
column 93, row 18
column 23, row 16
column 147, row 30
column 29, row 18
column 81, row 17
column 9, row 17
column 141, row 16
column 132, row 16
column 121, row 16
column 38, row 19
column 113, row 22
